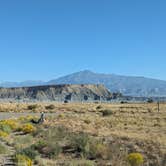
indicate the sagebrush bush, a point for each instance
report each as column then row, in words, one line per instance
column 135, row 159
column 29, row 152
column 22, row 160
column 5, row 128
column 80, row 142
column 48, row 149
column 98, row 150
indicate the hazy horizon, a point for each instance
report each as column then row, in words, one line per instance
column 44, row 81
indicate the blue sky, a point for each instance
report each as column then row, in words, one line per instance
column 45, row 39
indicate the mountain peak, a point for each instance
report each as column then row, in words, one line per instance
column 86, row 72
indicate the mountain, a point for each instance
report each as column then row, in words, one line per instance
column 58, row 93
column 127, row 85
column 21, row 84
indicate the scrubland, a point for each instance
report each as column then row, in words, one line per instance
column 79, row 134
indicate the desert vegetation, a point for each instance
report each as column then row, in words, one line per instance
column 77, row 134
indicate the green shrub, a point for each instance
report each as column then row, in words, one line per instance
column 80, row 143
column 98, row 150
column 29, row 152
column 48, row 149
column 135, row 159
column 40, row 145
column 107, row 112
column 5, row 128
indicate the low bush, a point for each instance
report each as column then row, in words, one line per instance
column 27, row 128
column 98, row 150
column 26, row 118
column 106, row 112
column 135, row 159
column 50, row 107
column 87, row 121
column 29, row 152
column 80, row 143
column 99, row 107
column 48, row 149
column 88, row 147
column 22, row 160
column 32, row 107
column 5, row 128
column 3, row 134
column 23, row 141
column 10, row 123
column 3, row 149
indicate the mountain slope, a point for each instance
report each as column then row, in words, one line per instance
column 132, row 86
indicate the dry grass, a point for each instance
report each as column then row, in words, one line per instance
column 140, row 128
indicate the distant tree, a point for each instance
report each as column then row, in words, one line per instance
column 150, row 100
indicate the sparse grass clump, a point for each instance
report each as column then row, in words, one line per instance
column 3, row 149
column 135, row 159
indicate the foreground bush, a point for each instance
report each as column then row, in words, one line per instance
column 135, row 159
column 29, row 152
column 80, row 143
column 88, row 147
column 3, row 134
column 22, row 160
column 27, row 128
column 3, row 149
column 9, row 125
column 48, row 149
column 98, row 150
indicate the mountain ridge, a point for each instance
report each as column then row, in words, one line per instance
column 127, row 85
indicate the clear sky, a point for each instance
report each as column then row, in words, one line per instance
column 45, row 39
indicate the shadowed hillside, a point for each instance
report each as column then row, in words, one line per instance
column 57, row 93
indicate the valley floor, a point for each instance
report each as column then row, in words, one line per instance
column 85, row 134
